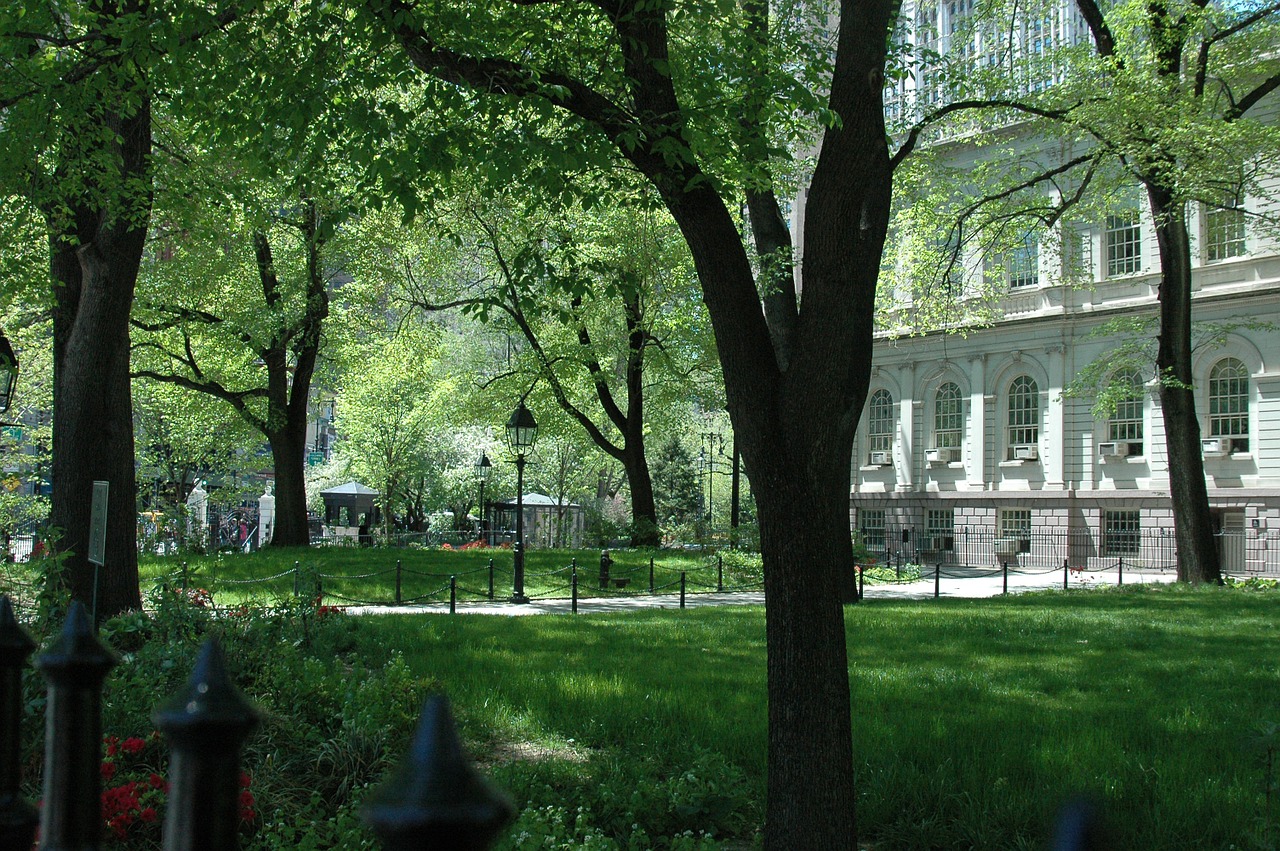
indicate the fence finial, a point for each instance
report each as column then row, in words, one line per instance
column 75, row 666
column 206, row 723
column 18, row 818
column 436, row 797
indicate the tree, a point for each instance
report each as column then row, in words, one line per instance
column 1175, row 60
column 675, row 483
column 75, row 139
column 796, row 372
column 383, row 415
column 584, row 291
column 257, row 356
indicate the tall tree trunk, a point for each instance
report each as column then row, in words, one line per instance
column 287, row 447
column 94, row 264
column 644, row 512
column 1193, row 524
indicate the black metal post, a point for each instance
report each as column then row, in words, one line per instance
column 206, row 724
column 1121, row 571
column 517, row 595
column 437, row 793
column 184, row 576
column 682, row 589
column 573, row 582
column 491, row 578
column 75, row 666
column 1064, row 574
column 18, row 818
column 481, row 530
column 399, row 596
column 650, row 574
column 297, row 579
column 862, row 578
column 937, row 580
column 453, row 595
column 719, row 573
column 1004, row 568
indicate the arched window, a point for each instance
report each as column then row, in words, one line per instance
column 1229, row 402
column 948, row 417
column 1024, row 414
column 1125, row 424
column 880, row 422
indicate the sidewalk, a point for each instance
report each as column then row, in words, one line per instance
column 954, row 582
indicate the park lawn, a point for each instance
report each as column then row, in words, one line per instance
column 973, row 720
column 351, row 575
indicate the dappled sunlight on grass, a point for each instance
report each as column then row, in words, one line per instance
column 973, row 720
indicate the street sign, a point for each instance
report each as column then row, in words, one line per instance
column 98, row 524
column 315, row 459
column 14, row 433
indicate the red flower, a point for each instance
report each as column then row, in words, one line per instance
column 133, row 745
column 148, row 814
column 108, row 770
column 245, row 780
column 156, row 781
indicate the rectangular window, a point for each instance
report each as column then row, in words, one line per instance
column 1121, row 533
column 1015, row 526
column 1223, row 234
column 1077, row 254
column 1024, row 263
column 940, row 529
column 1123, row 238
column 871, row 528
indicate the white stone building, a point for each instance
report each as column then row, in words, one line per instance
column 968, row 452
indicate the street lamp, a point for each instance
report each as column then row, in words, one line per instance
column 8, row 373
column 522, row 431
column 484, row 470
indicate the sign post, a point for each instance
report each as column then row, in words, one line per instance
column 98, row 538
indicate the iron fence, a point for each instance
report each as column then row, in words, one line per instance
column 1243, row 553
column 435, row 798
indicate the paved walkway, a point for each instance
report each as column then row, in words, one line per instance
column 954, row 582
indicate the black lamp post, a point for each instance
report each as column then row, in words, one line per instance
column 484, row 469
column 8, row 373
column 522, row 431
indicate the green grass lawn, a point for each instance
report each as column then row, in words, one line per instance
column 973, row 720
column 355, row 575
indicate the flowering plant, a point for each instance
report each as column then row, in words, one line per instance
column 135, row 791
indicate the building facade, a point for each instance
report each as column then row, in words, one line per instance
column 969, row 451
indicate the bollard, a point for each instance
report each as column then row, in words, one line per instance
column 682, row 589
column 491, row 578
column 862, row 580
column 720, row 573
column 1121, row 566
column 1004, row 568
column 297, row 579
column 651, row 574
column 1065, row 569
column 75, row 666
column 453, row 595
column 18, row 818
column 573, row 584
column 937, row 580
column 399, row 597
column 206, row 724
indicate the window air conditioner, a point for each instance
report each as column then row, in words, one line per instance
column 880, row 459
column 1113, row 450
column 1215, row 447
column 1026, row 452
column 941, row 455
